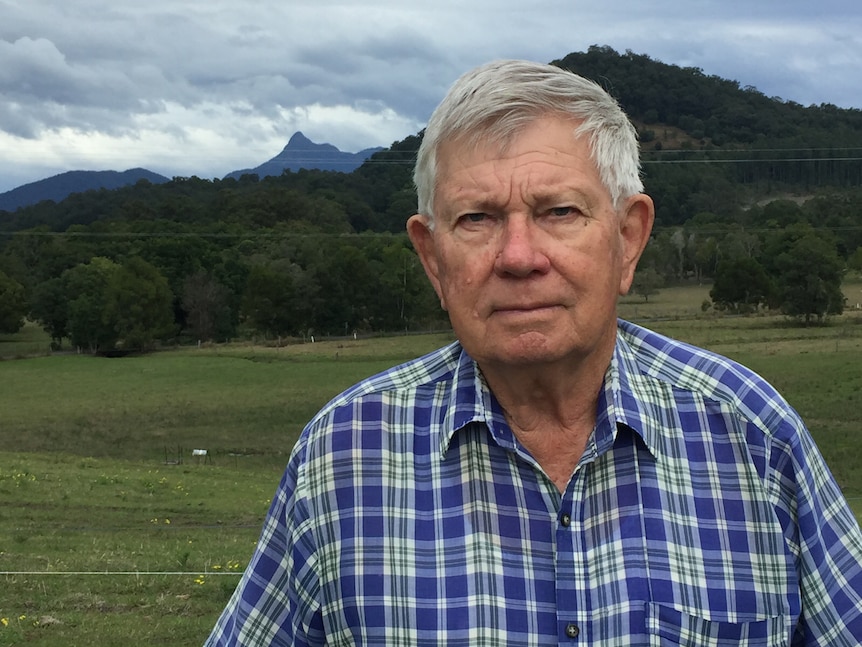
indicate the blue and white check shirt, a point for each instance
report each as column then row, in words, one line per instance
column 701, row 513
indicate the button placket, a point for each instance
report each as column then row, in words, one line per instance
column 571, row 601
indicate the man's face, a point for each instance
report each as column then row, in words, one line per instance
column 527, row 253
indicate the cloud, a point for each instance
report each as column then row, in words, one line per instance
column 39, row 86
column 208, row 86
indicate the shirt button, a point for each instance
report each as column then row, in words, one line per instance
column 572, row 630
column 566, row 520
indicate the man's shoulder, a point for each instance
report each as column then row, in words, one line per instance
column 664, row 356
column 405, row 382
column 684, row 367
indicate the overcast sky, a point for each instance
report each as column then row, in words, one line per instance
column 205, row 87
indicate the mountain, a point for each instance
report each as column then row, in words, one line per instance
column 302, row 153
column 60, row 186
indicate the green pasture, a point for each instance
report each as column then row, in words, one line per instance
column 112, row 533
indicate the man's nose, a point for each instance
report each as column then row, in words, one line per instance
column 520, row 251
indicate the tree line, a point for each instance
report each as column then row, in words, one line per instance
column 126, row 292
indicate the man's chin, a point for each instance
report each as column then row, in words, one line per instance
column 525, row 349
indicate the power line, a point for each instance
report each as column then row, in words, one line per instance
column 168, row 234
column 359, row 237
column 755, row 161
column 685, row 161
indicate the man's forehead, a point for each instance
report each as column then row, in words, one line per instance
column 487, row 167
column 499, row 142
column 541, row 176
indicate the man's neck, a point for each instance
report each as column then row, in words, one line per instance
column 551, row 409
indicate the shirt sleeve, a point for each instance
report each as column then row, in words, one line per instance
column 823, row 534
column 275, row 602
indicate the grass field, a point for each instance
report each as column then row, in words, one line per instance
column 108, row 539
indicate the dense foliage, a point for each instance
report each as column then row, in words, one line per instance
column 758, row 194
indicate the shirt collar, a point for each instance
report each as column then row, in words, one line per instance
column 624, row 401
column 471, row 401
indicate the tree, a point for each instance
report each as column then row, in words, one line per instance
column 741, row 285
column 738, row 243
column 405, row 297
column 348, row 287
column 782, row 213
column 87, row 287
column 268, row 299
column 207, row 306
column 175, row 256
column 49, row 306
column 13, row 304
column 139, row 305
column 679, row 243
column 647, row 282
column 810, row 274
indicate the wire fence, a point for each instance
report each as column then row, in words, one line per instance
column 123, row 573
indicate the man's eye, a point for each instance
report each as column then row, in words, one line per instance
column 474, row 217
column 563, row 211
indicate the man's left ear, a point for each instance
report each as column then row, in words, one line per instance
column 635, row 228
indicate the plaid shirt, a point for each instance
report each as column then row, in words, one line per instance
column 700, row 514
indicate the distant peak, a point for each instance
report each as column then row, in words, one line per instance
column 298, row 138
column 302, row 153
column 299, row 142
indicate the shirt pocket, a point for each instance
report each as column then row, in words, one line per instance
column 668, row 627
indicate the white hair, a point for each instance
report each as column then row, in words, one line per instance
column 495, row 101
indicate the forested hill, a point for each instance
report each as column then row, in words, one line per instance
column 719, row 157
column 712, row 112
column 60, row 186
column 712, row 145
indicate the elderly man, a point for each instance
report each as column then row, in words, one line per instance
column 556, row 476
